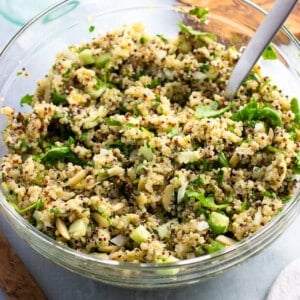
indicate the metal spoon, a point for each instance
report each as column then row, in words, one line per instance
column 261, row 39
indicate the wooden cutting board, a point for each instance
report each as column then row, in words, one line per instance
column 15, row 280
column 293, row 21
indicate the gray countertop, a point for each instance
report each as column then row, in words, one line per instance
column 249, row 281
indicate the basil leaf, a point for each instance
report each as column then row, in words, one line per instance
column 210, row 111
column 223, row 161
column 252, row 111
column 269, row 53
column 207, row 202
column 60, row 154
column 198, row 34
column 27, row 99
column 200, row 13
column 58, row 99
column 270, row 115
column 247, row 113
column 112, row 122
column 297, row 163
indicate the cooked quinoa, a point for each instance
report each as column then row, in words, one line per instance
column 132, row 152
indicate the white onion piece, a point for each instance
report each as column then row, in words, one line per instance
column 181, row 191
column 199, row 75
column 119, row 240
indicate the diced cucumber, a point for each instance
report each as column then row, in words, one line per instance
column 213, row 246
column 87, row 57
column 164, row 230
column 99, row 255
column 146, row 151
column 78, row 229
column 102, row 60
column 140, row 234
column 166, row 260
column 186, row 157
column 218, row 222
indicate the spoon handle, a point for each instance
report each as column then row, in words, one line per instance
column 261, row 39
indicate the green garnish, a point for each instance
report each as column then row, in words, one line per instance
column 223, row 161
column 210, row 111
column 154, row 83
column 220, row 176
column 55, row 210
column 207, row 202
column 126, row 149
column 198, row 34
column 60, row 154
column 91, row 28
column 58, row 99
column 252, row 76
column 204, row 68
column 27, row 99
column 297, row 163
column 162, row 38
column 35, row 206
column 252, row 111
column 200, row 13
column 143, row 40
column 272, row 149
column 269, row 53
column 112, row 122
column 295, row 109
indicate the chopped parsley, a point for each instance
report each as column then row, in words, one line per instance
column 269, row 53
column 210, row 111
column 27, row 99
column 91, row 28
column 200, row 13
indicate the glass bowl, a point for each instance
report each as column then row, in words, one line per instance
column 33, row 50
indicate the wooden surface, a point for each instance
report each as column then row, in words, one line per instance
column 15, row 280
column 293, row 21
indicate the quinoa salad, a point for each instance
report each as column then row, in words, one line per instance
column 132, row 152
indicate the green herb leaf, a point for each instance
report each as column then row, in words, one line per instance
column 297, row 163
column 126, row 149
column 270, row 115
column 143, row 40
column 112, row 122
column 252, row 111
column 60, row 154
column 154, row 83
column 210, row 111
column 213, row 246
column 295, row 109
column 162, row 38
column 223, row 161
column 91, row 28
column 252, row 76
column 220, row 176
column 58, row 99
column 201, row 35
column 207, row 202
column 200, row 13
column 27, row 99
column 272, row 149
column 204, row 68
column 269, row 53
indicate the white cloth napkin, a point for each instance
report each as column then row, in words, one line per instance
column 287, row 284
